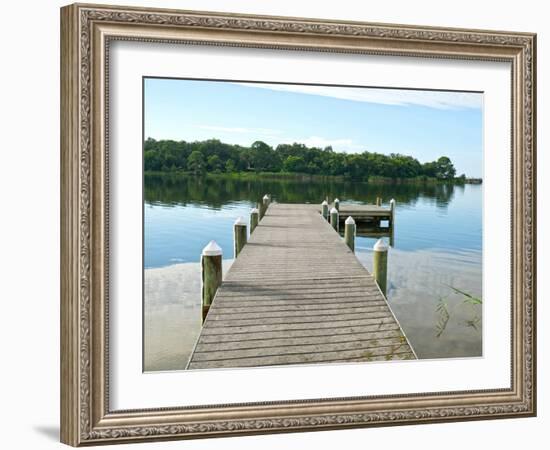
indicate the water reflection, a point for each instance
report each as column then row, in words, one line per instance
column 375, row 232
column 215, row 192
column 437, row 245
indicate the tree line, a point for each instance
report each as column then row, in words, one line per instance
column 214, row 156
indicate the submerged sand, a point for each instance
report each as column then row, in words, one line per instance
column 172, row 314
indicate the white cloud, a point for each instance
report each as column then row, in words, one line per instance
column 246, row 135
column 241, row 130
column 397, row 97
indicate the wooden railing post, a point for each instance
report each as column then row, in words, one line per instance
column 337, row 204
column 211, row 275
column 239, row 235
column 392, row 211
column 324, row 207
column 349, row 233
column 378, row 201
column 380, row 264
column 263, row 206
column 334, row 218
column 254, row 219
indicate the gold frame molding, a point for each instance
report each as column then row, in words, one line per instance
column 86, row 31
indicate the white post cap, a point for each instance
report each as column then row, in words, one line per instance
column 266, row 197
column 350, row 221
column 392, row 201
column 324, row 203
column 336, row 200
column 334, row 211
column 240, row 221
column 212, row 249
column 380, row 246
column 254, row 211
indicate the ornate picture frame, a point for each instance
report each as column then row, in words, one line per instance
column 86, row 34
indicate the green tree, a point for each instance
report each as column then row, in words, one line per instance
column 230, row 166
column 214, row 163
column 312, row 167
column 336, row 164
column 444, row 168
column 245, row 159
column 196, row 163
column 429, row 169
column 357, row 167
column 214, row 155
column 264, row 158
column 294, row 164
column 152, row 161
column 149, row 144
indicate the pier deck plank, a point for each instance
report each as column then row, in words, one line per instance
column 296, row 294
column 358, row 212
column 362, row 210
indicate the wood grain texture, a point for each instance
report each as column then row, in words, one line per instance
column 296, row 274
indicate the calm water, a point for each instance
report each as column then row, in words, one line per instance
column 437, row 244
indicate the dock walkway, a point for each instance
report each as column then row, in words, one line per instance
column 360, row 213
column 297, row 294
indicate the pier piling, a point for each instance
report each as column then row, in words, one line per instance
column 324, row 207
column 380, row 265
column 239, row 235
column 392, row 222
column 262, row 206
column 334, row 218
column 254, row 219
column 349, row 233
column 211, row 276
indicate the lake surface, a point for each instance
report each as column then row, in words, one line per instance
column 437, row 246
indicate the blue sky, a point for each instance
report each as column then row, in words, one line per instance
column 424, row 124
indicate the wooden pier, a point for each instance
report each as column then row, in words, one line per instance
column 360, row 213
column 296, row 294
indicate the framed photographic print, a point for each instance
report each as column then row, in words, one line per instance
column 276, row 224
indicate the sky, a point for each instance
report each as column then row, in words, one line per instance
column 420, row 123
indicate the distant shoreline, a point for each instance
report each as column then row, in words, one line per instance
column 250, row 175
column 214, row 156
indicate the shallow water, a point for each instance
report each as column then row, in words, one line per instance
column 437, row 245
column 172, row 315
